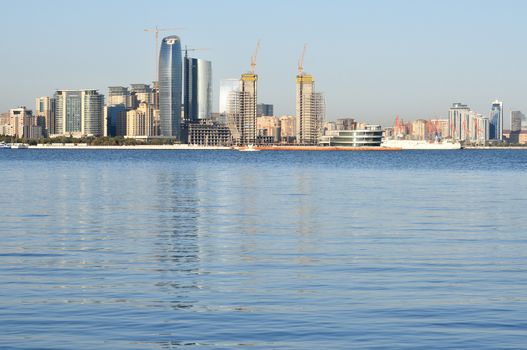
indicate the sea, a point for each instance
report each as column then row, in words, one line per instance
column 163, row 249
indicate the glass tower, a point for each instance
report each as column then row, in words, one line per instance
column 79, row 112
column 170, row 86
column 496, row 121
column 197, row 89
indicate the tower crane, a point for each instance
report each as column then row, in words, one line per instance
column 194, row 49
column 253, row 58
column 301, row 61
column 156, row 31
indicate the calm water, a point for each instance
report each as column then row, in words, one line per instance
column 267, row 250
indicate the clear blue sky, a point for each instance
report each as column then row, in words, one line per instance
column 374, row 59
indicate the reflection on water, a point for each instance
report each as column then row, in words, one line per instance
column 149, row 250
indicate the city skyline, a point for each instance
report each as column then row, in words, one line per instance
column 373, row 61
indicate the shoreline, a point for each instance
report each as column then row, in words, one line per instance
column 258, row 148
column 215, row 148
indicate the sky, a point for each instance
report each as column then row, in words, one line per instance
column 373, row 59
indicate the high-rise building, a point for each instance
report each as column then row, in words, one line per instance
column 264, row 109
column 170, row 87
column 458, row 121
column 117, row 95
column 139, row 121
column 419, row 131
column 288, row 128
column 197, row 89
column 241, row 110
column 115, row 120
column 517, row 118
column 466, row 125
column 18, row 119
column 227, row 86
column 45, row 107
column 516, row 126
column 438, row 128
column 496, row 121
column 310, row 110
column 139, row 93
column 79, row 112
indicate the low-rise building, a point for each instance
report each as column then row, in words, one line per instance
column 369, row 136
column 209, row 133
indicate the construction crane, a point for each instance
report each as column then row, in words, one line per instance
column 253, row 58
column 301, row 61
column 194, row 49
column 156, row 31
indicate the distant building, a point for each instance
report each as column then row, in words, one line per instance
column 466, row 125
column 22, row 124
column 79, row 113
column 329, row 126
column 18, row 119
column 345, row 124
column 517, row 118
column 419, row 131
column 458, row 121
column 369, row 136
column 170, row 87
column 118, row 95
column 478, row 128
column 269, row 126
column 197, row 90
column 437, row 128
column 139, row 121
column 496, row 121
column 115, row 120
column 45, row 107
column 288, row 128
column 139, row 93
column 263, row 109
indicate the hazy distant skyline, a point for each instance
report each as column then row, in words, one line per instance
column 372, row 59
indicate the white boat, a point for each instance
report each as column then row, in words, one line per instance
column 4, row 145
column 19, row 146
column 249, row 148
column 422, row 145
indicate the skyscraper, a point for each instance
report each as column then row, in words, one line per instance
column 197, row 89
column 458, row 121
column 45, row 107
column 516, row 126
column 466, row 125
column 79, row 112
column 496, row 121
column 170, row 81
column 310, row 110
column 516, row 120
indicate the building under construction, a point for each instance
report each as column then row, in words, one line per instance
column 310, row 107
column 209, row 133
column 241, row 107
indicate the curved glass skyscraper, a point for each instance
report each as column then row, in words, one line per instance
column 170, row 86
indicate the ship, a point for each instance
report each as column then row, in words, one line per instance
column 19, row 146
column 422, row 145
